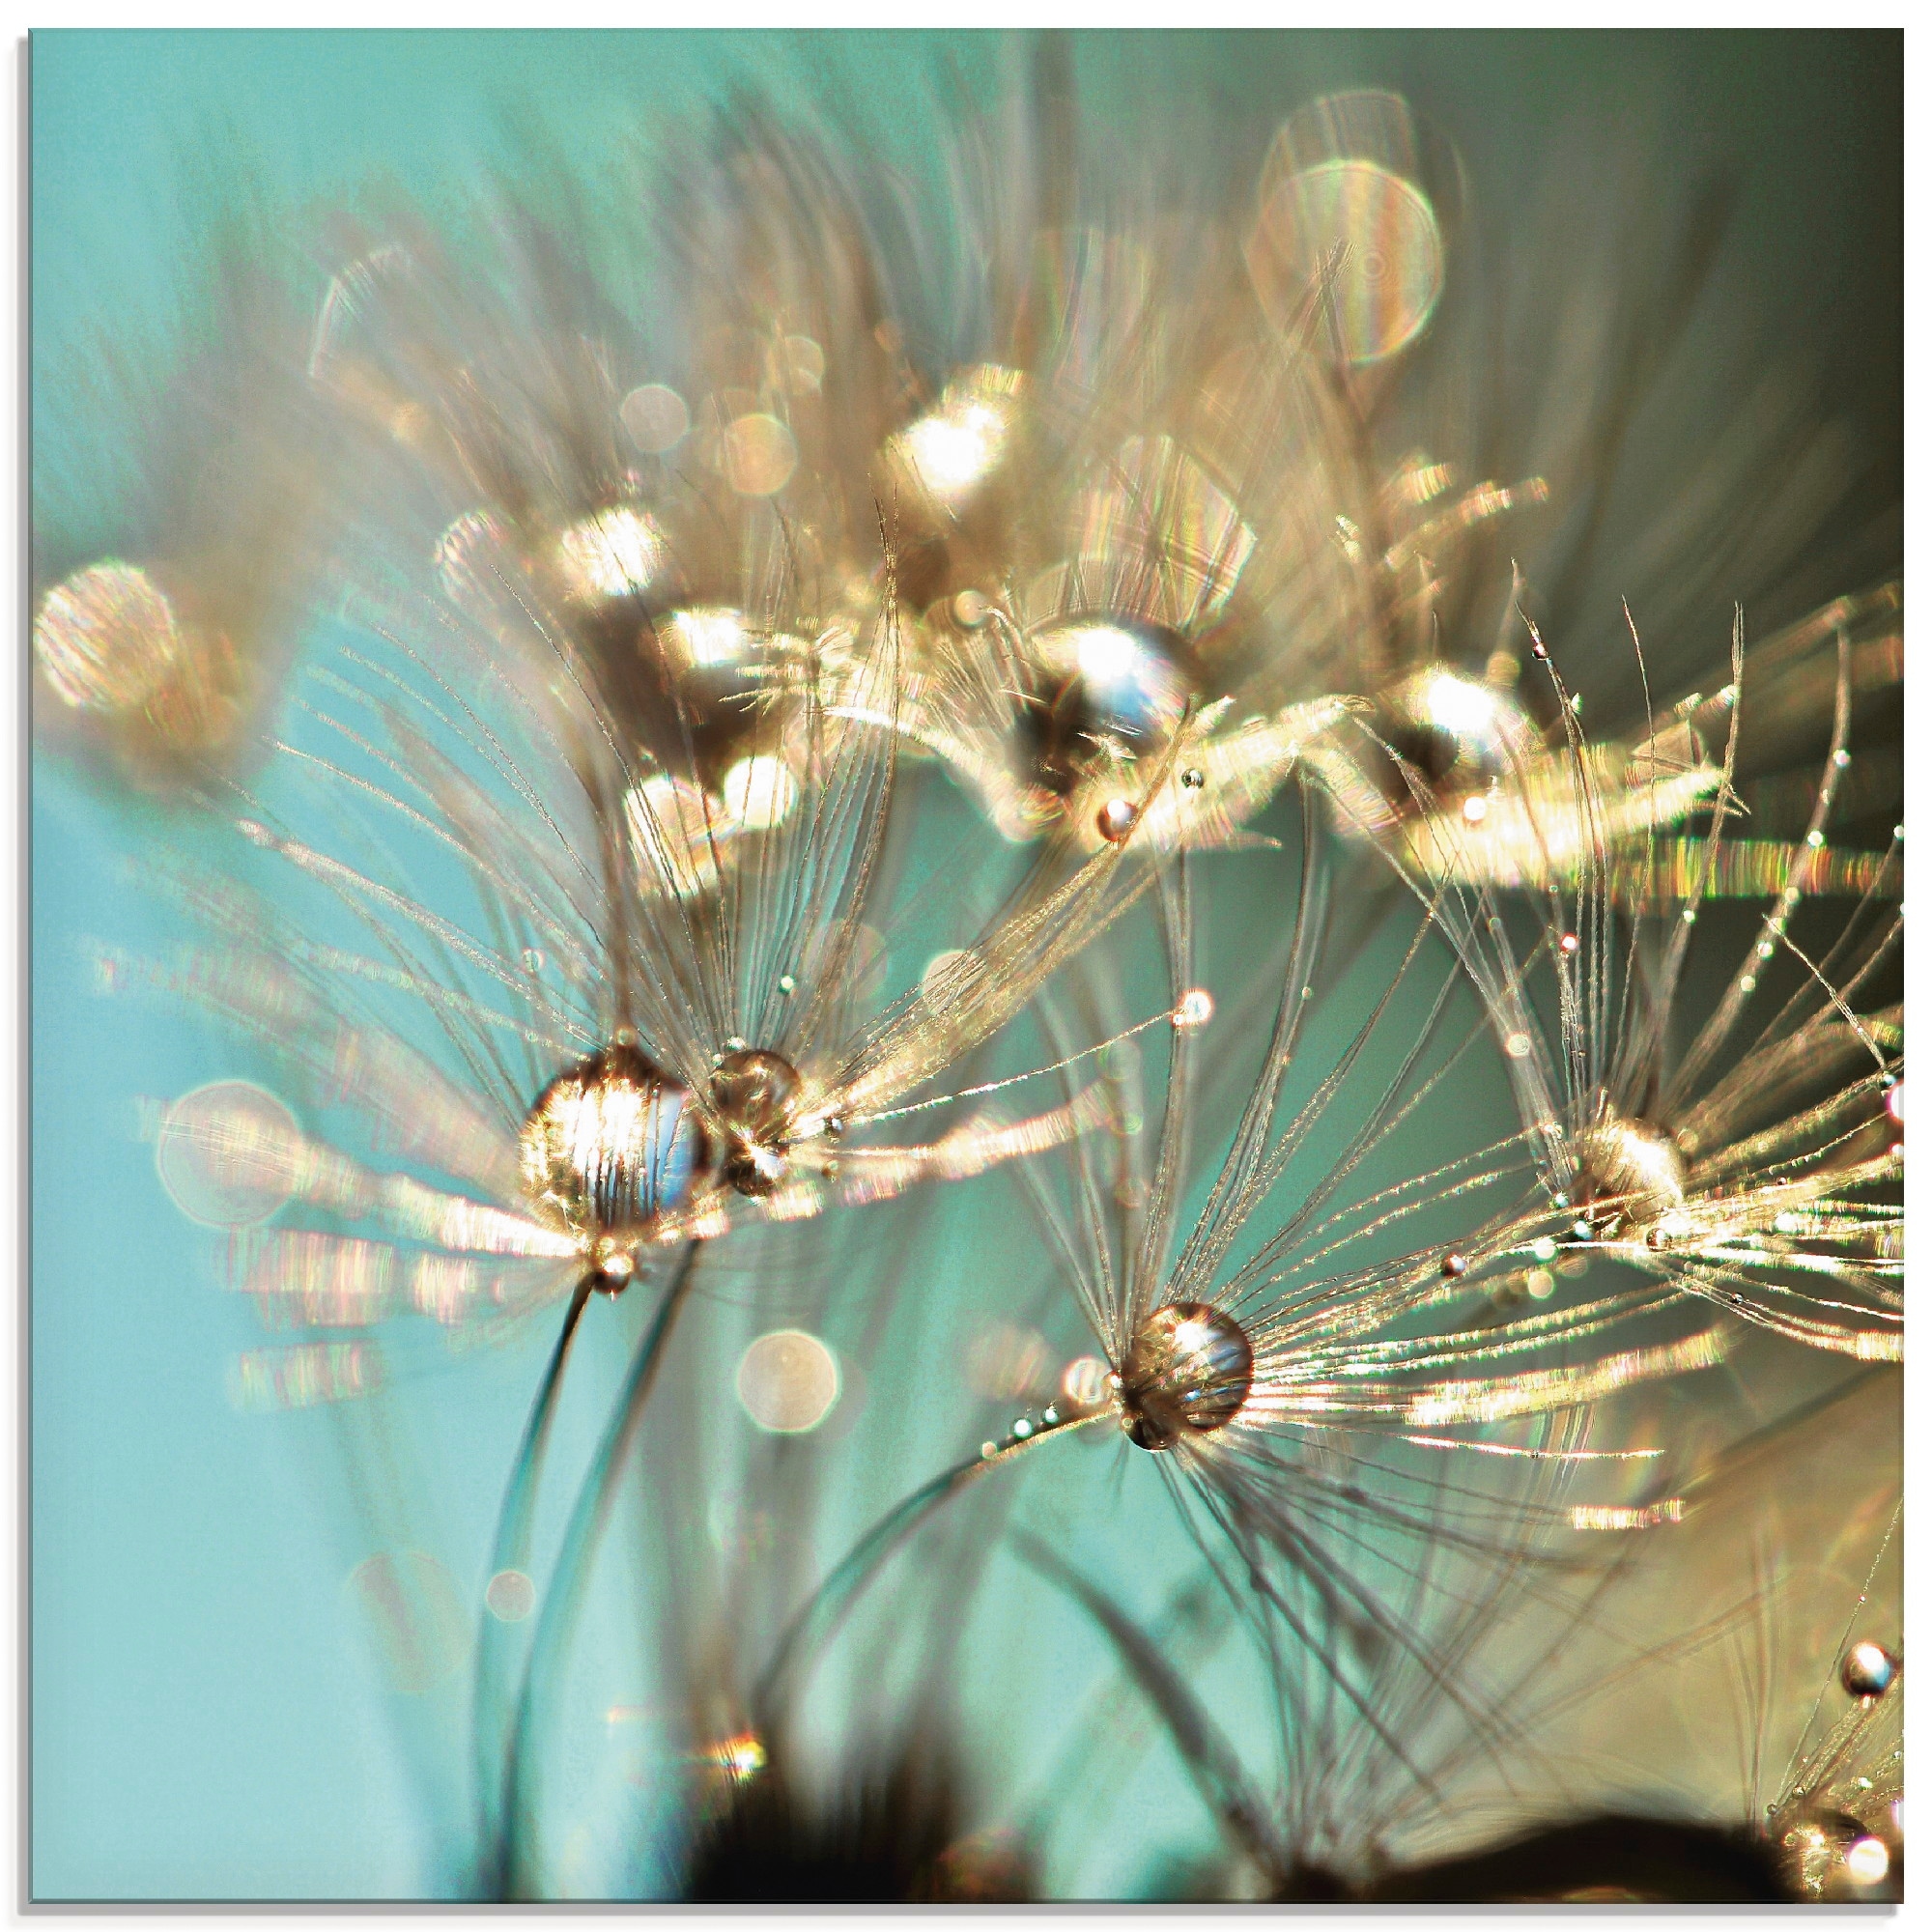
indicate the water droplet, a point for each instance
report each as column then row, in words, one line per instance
column 1190, row 1369
column 1007, row 1361
column 1569, row 942
column 533, row 961
column 1115, row 819
column 1868, row 1670
column 786, row 983
column 1195, row 1011
column 1340, row 211
column 945, row 972
column 752, row 1092
column 609, row 1145
column 1194, row 778
column 1455, row 1265
column 759, row 792
column 615, row 1269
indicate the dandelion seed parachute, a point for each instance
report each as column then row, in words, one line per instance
column 1336, row 1435
column 1756, row 1168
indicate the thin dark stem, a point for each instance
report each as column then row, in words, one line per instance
column 511, row 1551
column 1209, row 1759
column 580, row 1538
column 825, row 1608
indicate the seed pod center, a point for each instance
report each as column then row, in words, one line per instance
column 1629, row 1173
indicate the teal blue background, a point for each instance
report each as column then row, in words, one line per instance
column 205, row 1719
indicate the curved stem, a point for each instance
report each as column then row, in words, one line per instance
column 584, row 1530
column 1206, row 1753
column 511, row 1551
column 825, row 1608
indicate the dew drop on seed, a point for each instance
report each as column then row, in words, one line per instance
column 1868, row 1670
column 1189, row 1370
